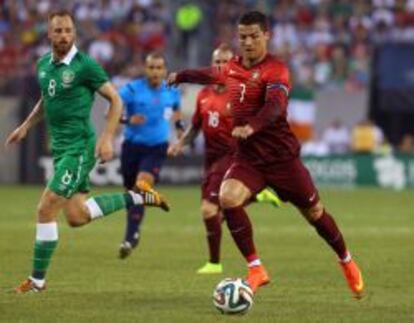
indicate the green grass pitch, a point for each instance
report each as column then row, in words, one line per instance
column 87, row 283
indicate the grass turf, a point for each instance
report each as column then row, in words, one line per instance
column 158, row 283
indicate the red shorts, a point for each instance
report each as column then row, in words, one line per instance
column 212, row 178
column 291, row 180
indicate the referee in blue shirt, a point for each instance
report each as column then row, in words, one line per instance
column 149, row 106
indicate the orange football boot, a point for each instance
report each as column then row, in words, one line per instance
column 354, row 277
column 29, row 286
column 150, row 196
column 257, row 276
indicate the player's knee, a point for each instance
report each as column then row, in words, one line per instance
column 75, row 219
column 45, row 209
column 76, row 222
column 230, row 200
column 314, row 213
column 208, row 210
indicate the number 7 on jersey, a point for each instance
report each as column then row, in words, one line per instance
column 242, row 91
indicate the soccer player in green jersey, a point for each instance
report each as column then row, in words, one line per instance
column 68, row 80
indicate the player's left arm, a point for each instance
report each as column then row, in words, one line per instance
column 104, row 148
column 276, row 101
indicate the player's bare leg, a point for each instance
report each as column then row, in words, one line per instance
column 78, row 211
column 135, row 216
column 233, row 196
column 326, row 227
column 212, row 221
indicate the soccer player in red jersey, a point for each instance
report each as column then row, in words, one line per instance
column 213, row 118
column 267, row 152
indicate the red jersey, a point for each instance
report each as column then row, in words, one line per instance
column 259, row 97
column 212, row 116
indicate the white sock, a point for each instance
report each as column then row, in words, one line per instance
column 95, row 211
column 254, row 263
column 348, row 258
column 38, row 282
column 47, row 231
column 137, row 198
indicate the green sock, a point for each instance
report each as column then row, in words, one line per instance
column 106, row 204
column 43, row 251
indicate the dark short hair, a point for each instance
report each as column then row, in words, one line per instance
column 61, row 13
column 255, row 18
column 156, row 55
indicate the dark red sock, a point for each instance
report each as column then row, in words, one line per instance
column 241, row 230
column 328, row 230
column 213, row 228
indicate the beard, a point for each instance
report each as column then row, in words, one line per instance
column 62, row 48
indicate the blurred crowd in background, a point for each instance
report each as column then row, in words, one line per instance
column 327, row 43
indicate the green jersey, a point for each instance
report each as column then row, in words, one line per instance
column 68, row 89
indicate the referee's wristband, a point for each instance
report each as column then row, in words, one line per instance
column 179, row 125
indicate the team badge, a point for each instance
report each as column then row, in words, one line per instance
column 42, row 74
column 68, row 76
column 255, row 75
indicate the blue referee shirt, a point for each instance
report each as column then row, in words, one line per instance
column 156, row 105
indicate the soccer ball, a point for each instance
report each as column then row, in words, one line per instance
column 233, row 296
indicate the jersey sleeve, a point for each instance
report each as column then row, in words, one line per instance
column 277, row 79
column 277, row 87
column 126, row 93
column 95, row 75
column 176, row 99
column 207, row 75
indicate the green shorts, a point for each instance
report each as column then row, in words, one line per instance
column 71, row 173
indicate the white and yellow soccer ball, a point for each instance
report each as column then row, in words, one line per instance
column 233, row 296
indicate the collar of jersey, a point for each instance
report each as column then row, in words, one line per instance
column 69, row 56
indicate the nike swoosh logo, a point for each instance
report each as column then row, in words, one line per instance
column 312, row 197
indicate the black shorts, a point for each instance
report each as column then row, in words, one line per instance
column 136, row 158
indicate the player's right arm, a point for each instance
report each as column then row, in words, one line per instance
column 209, row 75
column 190, row 133
column 21, row 131
column 104, row 147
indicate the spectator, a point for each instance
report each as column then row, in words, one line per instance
column 406, row 145
column 337, row 137
column 315, row 147
column 188, row 19
column 366, row 137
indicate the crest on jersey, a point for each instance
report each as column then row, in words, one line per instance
column 255, row 75
column 68, row 76
column 42, row 74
